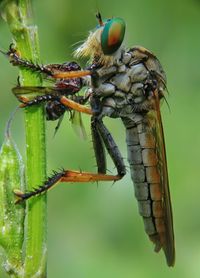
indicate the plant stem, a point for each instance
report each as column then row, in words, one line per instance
column 18, row 16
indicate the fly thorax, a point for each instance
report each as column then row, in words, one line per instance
column 127, row 86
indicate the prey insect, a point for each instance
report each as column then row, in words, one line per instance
column 122, row 83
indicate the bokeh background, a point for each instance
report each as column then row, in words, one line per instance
column 95, row 231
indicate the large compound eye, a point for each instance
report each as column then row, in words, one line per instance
column 112, row 35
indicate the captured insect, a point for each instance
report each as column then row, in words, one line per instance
column 127, row 84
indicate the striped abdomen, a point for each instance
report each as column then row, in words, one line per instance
column 145, row 168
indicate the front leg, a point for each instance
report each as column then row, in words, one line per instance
column 57, row 71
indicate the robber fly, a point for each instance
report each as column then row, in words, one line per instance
column 127, row 84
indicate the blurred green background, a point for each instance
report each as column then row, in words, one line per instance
column 95, row 231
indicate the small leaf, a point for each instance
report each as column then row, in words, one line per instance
column 11, row 216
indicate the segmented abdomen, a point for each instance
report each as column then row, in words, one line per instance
column 145, row 173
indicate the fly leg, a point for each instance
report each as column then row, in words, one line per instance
column 56, row 71
column 111, row 147
column 70, row 82
column 103, row 136
column 16, row 60
column 98, row 146
column 63, row 176
column 51, row 96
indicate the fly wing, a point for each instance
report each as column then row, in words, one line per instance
column 164, row 238
column 167, row 235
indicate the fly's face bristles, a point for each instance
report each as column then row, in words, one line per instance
column 92, row 49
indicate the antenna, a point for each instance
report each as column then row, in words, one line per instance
column 99, row 18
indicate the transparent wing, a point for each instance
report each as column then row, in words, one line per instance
column 77, row 124
column 157, row 130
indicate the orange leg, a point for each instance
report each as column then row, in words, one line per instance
column 70, row 74
column 75, row 106
column 63, row 100
column 64, row 176
column 79, row 176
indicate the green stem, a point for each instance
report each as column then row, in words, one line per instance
column 18, row 16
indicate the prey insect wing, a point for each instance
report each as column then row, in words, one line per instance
column 77, row 124
column 31, row 92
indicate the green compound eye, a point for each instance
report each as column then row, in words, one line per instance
column 112, row 35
